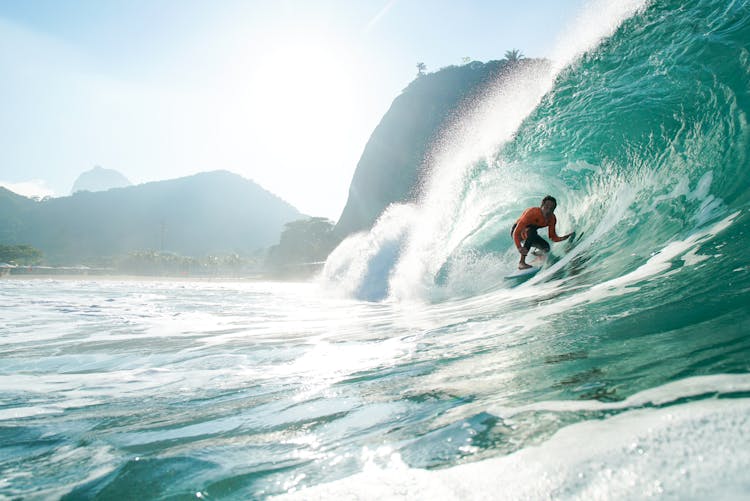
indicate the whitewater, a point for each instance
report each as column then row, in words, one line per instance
column 410, row 369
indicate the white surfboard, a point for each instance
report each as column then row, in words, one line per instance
column 537, row 261
column 523, row 273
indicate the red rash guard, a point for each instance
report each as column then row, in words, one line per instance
column 533, row 217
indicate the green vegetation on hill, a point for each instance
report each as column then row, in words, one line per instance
column 155, row 263
column 304, row 244
column 20, row 255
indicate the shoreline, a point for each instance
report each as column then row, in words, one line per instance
column 149, row 278
column 132, row 278
column 110, row 274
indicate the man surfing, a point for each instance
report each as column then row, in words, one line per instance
column 524, row 230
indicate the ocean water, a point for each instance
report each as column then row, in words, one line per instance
column 410, row 369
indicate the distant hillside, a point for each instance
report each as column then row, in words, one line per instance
column 391, row 165
column 216, row 212
column 99, row 179
column 15, row 210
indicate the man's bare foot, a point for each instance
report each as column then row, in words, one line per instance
column 523, row 266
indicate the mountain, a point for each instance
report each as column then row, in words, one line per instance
column 14, row 211
column 392, row 165
column 209, row 213
column 99, row 179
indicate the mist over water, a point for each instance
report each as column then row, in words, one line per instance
column 412, row 369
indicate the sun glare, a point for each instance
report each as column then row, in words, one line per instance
column 298, row 102
column 302, row 93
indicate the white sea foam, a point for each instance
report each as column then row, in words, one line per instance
column 695, row 450
column 684, row 388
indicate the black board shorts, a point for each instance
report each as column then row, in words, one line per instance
column 532, row 238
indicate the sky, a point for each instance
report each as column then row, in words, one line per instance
column 283, row 92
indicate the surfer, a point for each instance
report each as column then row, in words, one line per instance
column 524, row 230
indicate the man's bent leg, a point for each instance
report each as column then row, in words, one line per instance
column 534, row 240
column 522, row 265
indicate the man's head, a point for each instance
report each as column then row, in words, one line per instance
column 548, row 205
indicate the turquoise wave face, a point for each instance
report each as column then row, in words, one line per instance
column 644, row 141
column 666, row 95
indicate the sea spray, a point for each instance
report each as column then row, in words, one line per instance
column 444, row 217
column 360, row 266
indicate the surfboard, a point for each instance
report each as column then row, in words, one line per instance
column 528, row 272
column 537, row 261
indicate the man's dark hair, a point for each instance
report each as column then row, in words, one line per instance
column 551, row 199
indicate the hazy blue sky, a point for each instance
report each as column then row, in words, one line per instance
column 284, row 92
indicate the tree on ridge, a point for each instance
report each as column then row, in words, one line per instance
column 513, row 56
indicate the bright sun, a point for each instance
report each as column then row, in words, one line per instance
column 292, row 111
